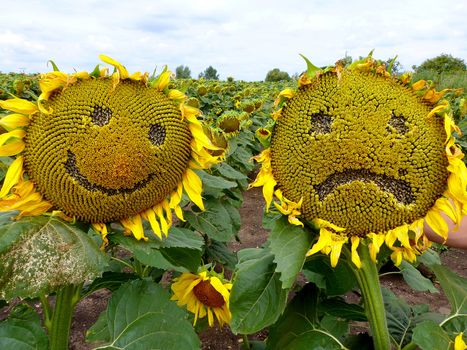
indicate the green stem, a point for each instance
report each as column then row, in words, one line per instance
column 47, row 311
column 246, row 342
column 410, row 346
column 368, row 281
column 65, row 302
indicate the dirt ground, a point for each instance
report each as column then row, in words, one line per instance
column 253, row 235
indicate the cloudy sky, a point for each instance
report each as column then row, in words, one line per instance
column 243, row 39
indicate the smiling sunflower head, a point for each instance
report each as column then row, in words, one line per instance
column 103, row 147
column 363, row 155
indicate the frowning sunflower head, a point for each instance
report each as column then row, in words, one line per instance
column 364, row 155
column 104, row 147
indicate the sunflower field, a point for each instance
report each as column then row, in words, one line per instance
column 131, row 185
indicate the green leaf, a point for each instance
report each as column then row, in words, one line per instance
column 429, row 258
column 256, row 288
column 141, row 316
column 299, row 316
column 22, row 330
column 215, row 221
column 216, row 182
column 311, row 69
column 402, row 318
column 99, row 332
column 109, row 280
column 415, row 279
column 230, row 173
column 339, row 308
column 41, row 254
column 289, row 244
column 152, row 253
column 455, row 289
column 339, row 279
column 430, row 336
column 219, row 252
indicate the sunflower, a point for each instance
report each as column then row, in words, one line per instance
column 364, row 157
column 203, row 293
column 101, row 148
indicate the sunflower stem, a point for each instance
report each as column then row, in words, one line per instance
column 368, row 281
column 47, row 311
column 246, row 342
column 65, row 302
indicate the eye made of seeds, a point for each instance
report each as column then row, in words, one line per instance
column 320, row 123
column 157, row 134
column 397, row 123
column 100, row 116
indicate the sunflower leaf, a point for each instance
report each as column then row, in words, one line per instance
column 141, row 316
column 430, row 336
column 289, row 244
column 255, row 289
column 22, row 330
column 215, row 221
column 151, row 253
column 415, row 279
column 455, row 289
column 41, row 254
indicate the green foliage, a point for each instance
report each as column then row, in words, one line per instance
column 442, row 64
column 141, row 316
column 41, row 254
column 257, row 298
column 182, row 72
column 276, row 75
column 289, row 244
column 22, row 330
column 209, row 73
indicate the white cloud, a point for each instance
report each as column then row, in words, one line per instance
column 243, row 39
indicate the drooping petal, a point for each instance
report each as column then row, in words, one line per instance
column 13, row 121
column 121, row 68
column 12, row 176
column 355, row 257
column 193, row 187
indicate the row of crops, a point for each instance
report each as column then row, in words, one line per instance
column 53, row 262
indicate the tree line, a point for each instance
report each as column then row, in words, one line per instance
column 443, row 63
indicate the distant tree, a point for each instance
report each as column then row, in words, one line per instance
column 182, row 72
column 277, row 75
column 441, row 63
column 209, row 73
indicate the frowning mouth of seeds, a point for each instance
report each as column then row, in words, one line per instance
column 399, row 188
column 73, row 170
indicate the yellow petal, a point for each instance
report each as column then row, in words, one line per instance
column 459, row 343
column 176, row 95
column 12, row 177
column 434, row 219
column 193, row 187
column 335, row 253
column 135, row 226
column 12, row 148
column 355, row 257
column 163, row 80
column 150, row 215
column 13, row 121
column 18, row 133
column 19, row 105
column 121, row 68
column 323, row 241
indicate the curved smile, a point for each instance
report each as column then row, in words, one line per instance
column 73, row 170
column 401, row 189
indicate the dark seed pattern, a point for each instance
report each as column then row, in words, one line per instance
column 398, row 122
column 157, row 134
column 320, row 123
column 101, row 115
column 399, row 188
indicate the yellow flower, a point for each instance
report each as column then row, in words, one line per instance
column 459, row 343
column 365, row 159
column 203, row 294
column 104, row 148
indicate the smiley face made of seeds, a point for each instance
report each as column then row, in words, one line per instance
column 361, row 152
column 107, row 152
